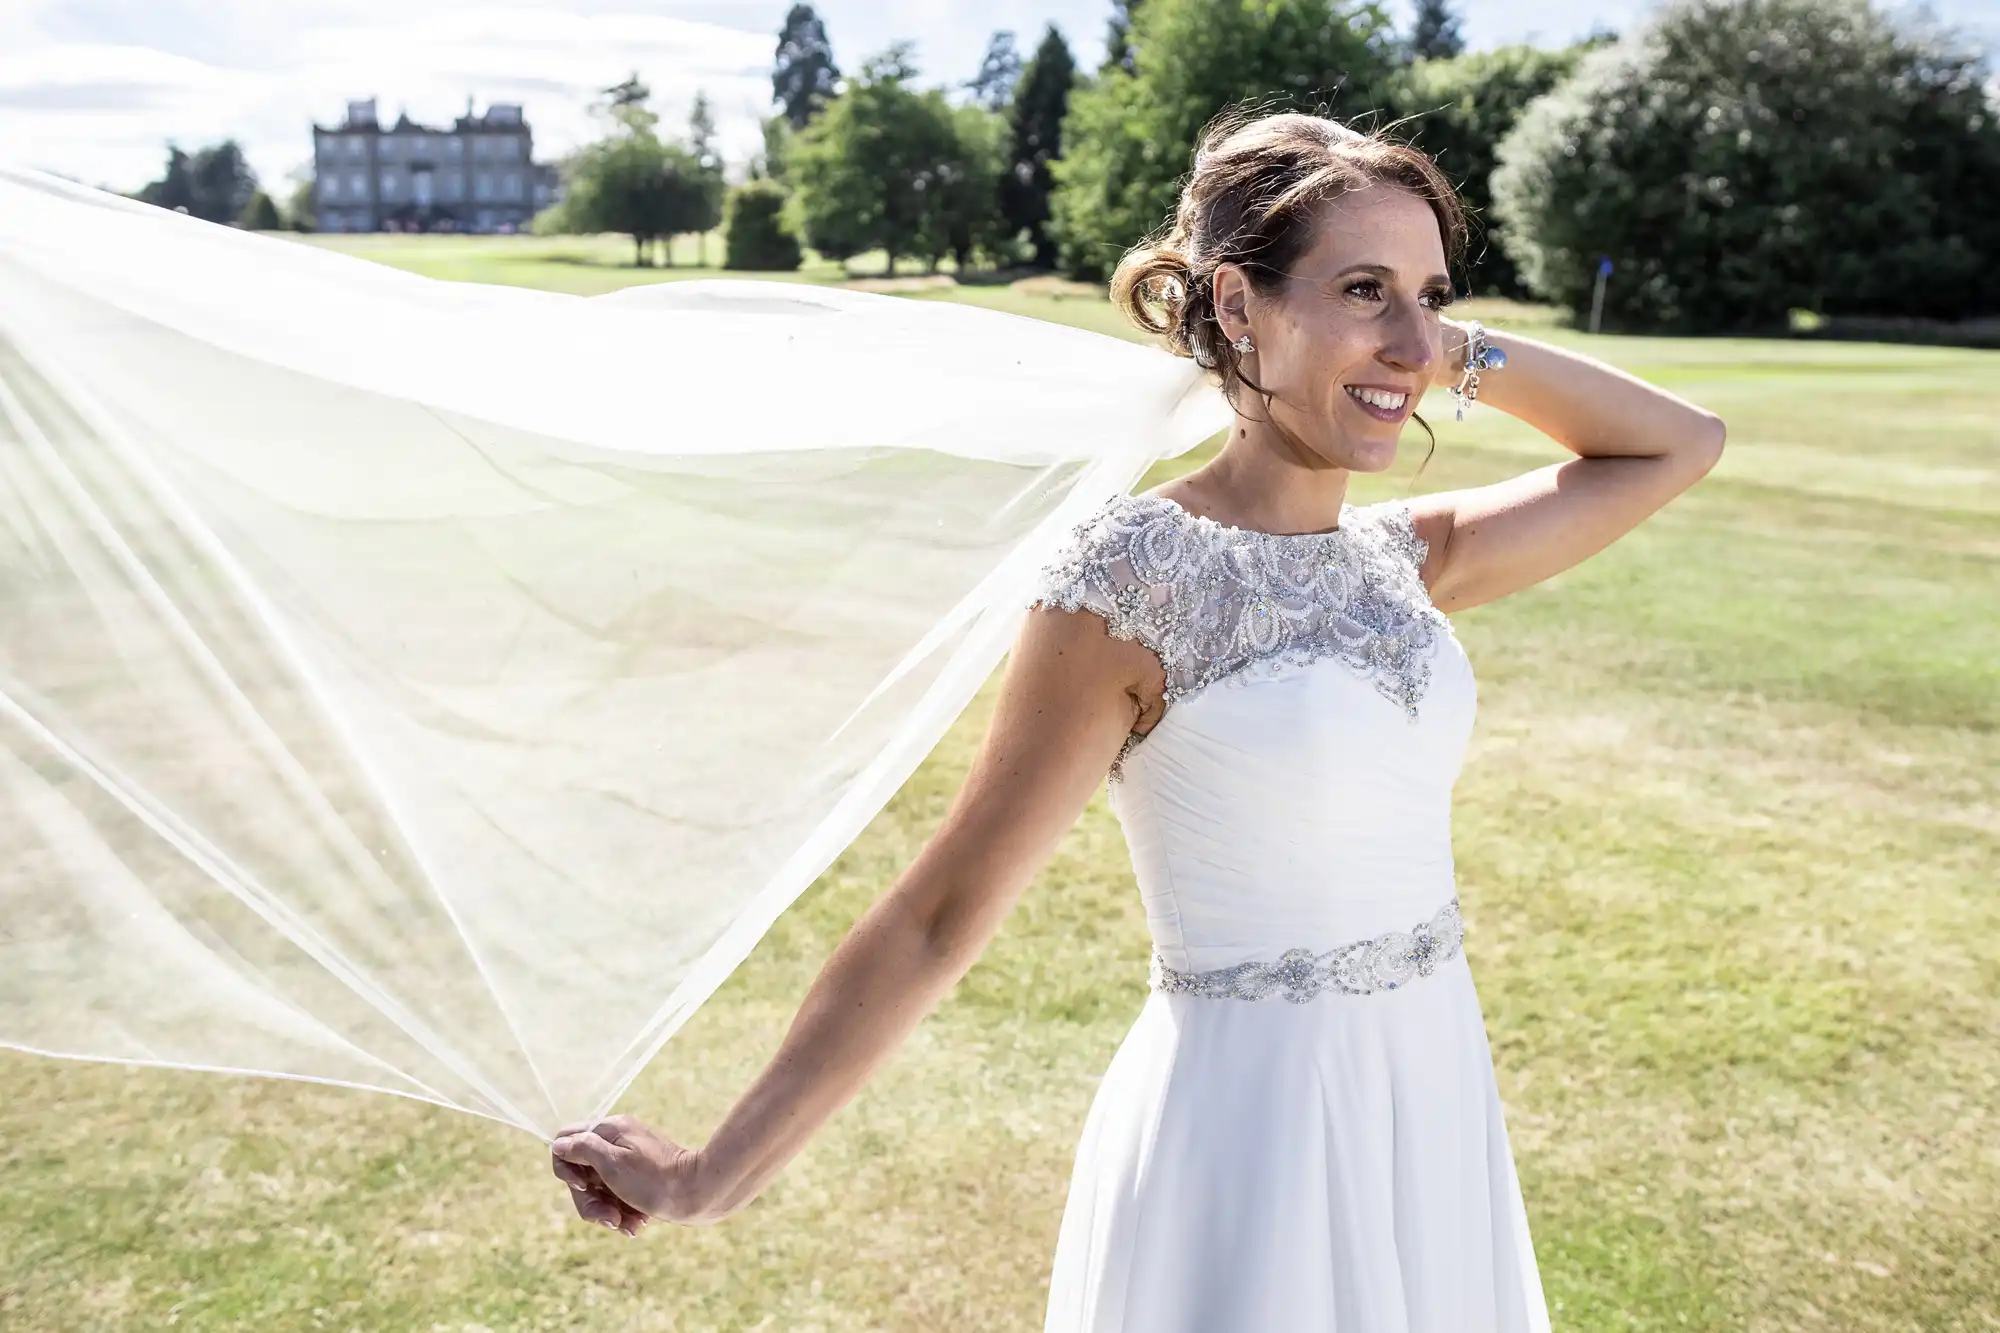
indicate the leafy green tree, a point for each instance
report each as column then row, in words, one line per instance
column 175, row 188
column 300, row 213
column 804, row 75
column 260, row 214
column 1035, row 120
column 757, row 237
column 967, row 219
column 1458, row 111
column 1434, row 34
column 1739, row 159
column 1130, row 137
column 770, row 164
column 632, row 182
column 215, row 184
column 867, row 171
column 993, row 86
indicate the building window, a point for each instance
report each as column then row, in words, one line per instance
column 455, row 147
column 388, row 186
column 330, row 188
column 510, row 186
column 357, row 185
column 482, row 186
column 354, row 149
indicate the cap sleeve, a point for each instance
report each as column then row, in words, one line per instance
column 1095, row 570
column 1398, row 525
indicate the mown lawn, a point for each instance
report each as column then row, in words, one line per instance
column 1728, row 844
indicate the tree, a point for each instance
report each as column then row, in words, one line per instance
column 968, row 219
column 631, row 182
column 175, row 188
column 1458, row 111
column 886, row 167
column 626, row 102
column 708, row 158
column 804, row 75
column 770, row 164
column 1118, row 37
column 1435, row 35
column 701, row 133
column 993, row 87
column 260, row 214
column 300, row 214
column 215, row 184
column 1739, row 159
column 1129, row 137
column 1041, row 100
column 756, row 236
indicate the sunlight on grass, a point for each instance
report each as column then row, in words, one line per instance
column 1727, row 840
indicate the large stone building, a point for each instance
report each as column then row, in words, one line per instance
column 480, row 175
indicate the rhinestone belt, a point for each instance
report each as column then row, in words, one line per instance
column 1359, row 968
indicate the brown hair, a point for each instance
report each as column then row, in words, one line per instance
column 1253, row 199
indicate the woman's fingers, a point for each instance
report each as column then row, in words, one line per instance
column 574, row 1176
column 586, row 1149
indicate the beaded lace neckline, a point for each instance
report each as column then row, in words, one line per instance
column 1215, row 601
column 1347, row 512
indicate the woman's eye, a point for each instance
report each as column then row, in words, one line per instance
column 1438, row 298
column 1367, row 289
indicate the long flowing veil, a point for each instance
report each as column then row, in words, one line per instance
column 439, row 688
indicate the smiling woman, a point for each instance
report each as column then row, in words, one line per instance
column 1302, row 1128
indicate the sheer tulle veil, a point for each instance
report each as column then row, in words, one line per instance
column 439, row 688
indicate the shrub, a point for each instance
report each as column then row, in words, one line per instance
column 1743, row 158
column 757, row 236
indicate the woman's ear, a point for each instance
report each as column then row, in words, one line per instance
column 1231, row 294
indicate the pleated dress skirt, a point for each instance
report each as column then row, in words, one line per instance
column 1339, row 1165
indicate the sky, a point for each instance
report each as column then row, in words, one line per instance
column 96, row 89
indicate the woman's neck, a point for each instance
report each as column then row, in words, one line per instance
column 1263, row 485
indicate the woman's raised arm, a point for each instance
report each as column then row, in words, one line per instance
column 1068, row 698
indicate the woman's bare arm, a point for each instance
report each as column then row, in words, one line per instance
column 1638, row 447
column 1068, row 698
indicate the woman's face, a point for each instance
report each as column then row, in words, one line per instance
column 1348, row 345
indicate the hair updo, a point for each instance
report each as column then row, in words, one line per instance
column 1253, row 199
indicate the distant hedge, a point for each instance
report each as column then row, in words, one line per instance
column 1740, row 159
column 757, row 237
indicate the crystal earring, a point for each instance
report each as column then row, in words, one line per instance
column 1244, row 345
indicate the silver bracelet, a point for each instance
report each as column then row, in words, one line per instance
column 1479, row 355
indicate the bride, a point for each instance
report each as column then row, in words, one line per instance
column 1302, row 1127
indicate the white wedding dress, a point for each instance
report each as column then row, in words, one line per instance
column 1302, row 1129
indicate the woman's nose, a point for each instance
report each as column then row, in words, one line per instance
column 1413, row 342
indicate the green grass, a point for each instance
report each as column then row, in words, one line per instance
column 1728, row 839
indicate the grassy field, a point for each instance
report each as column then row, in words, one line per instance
column 1728, row 842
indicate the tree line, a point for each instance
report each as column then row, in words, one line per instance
column 1732, row 160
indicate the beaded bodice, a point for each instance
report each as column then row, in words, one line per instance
column 1214, row 601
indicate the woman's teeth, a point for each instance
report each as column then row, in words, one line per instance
column 1388, row 402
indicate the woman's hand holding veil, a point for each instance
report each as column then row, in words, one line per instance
column 622, row 1175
